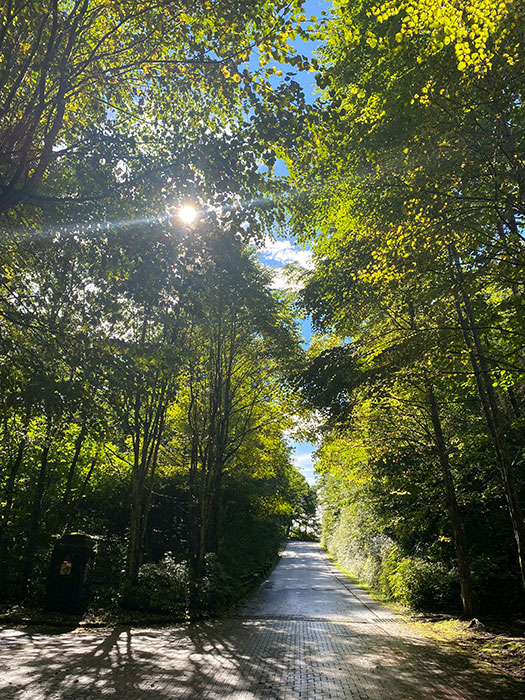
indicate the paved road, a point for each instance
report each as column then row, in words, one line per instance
column 306, row 586
column 307, row 633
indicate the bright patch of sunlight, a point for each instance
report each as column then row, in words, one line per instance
column 187, row 214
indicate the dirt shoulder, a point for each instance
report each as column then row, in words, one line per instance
column 500, row 642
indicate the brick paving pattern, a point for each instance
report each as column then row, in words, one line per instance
column 322, row 637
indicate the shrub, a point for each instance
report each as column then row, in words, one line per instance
column 162, row 586
column 301, row 536
column 214, row 590
column 380, row 563
column 419, row 583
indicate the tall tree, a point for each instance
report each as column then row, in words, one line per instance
column 414, row 169
column 73, row 75
column 232, row 381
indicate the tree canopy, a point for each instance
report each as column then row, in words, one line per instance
column 151, row 373
column 411, row 194
column 144, row 356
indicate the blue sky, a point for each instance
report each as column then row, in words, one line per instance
column 277, row 253
column 281, row 251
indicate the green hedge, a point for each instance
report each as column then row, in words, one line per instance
column 379, row 562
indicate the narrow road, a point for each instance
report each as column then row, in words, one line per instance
column 306, row 586
column 307, row 633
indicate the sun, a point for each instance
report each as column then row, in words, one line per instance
column 187, row 214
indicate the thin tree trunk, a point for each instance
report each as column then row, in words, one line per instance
column 8, row 505
column 73, row 466
column 193, row 511
column 74, row 505
column 489, row 402
column 36, row 511
column 133, row 558
column 10, row 485
column 215, row 511
column 132, row 562
column 465, row 576
column 194, row 503
column 142, row 485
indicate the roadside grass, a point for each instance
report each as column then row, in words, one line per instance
column 372, row 592
column 500, row 642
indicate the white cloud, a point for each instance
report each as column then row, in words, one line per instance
column 302, row 460
column 304, row 464
column 282, row 280
column 277, row 254
column 284, row 252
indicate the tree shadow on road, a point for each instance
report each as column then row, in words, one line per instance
column 246, row 658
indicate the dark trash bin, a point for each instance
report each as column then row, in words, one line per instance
column 68, row 582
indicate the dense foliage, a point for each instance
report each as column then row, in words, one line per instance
column 411, row 192
column 145, row 359
column 143, row 399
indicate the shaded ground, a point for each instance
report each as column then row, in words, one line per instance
column 307, row 633
column 498, row 642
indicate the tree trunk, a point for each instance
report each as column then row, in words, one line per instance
column 489, row 403
column 193, row 510
column 144, row 468
column 136, row 536
column 10, row 485
column 73, row 506
column 214, row 527
column 73, row 466
column 8, row 504
column 465, row 577
column 36, row 510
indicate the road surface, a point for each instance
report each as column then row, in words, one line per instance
column 307, row 633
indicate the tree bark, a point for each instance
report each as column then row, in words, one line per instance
column 36, row 511
column 73, row 506
column 458, row 533
column 147, row 443
column 8, row 505
column 10, row 485
column 73, row 466
column 489, row 402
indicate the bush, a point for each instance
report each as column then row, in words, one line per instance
column 162, row 586
column 419, row 583
column 301, row 536
column 214, row 590
column 380, row 563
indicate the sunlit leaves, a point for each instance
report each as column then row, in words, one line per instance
column 102, row 69
column 475, row 29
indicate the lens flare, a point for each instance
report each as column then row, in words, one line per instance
column 187, row 214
